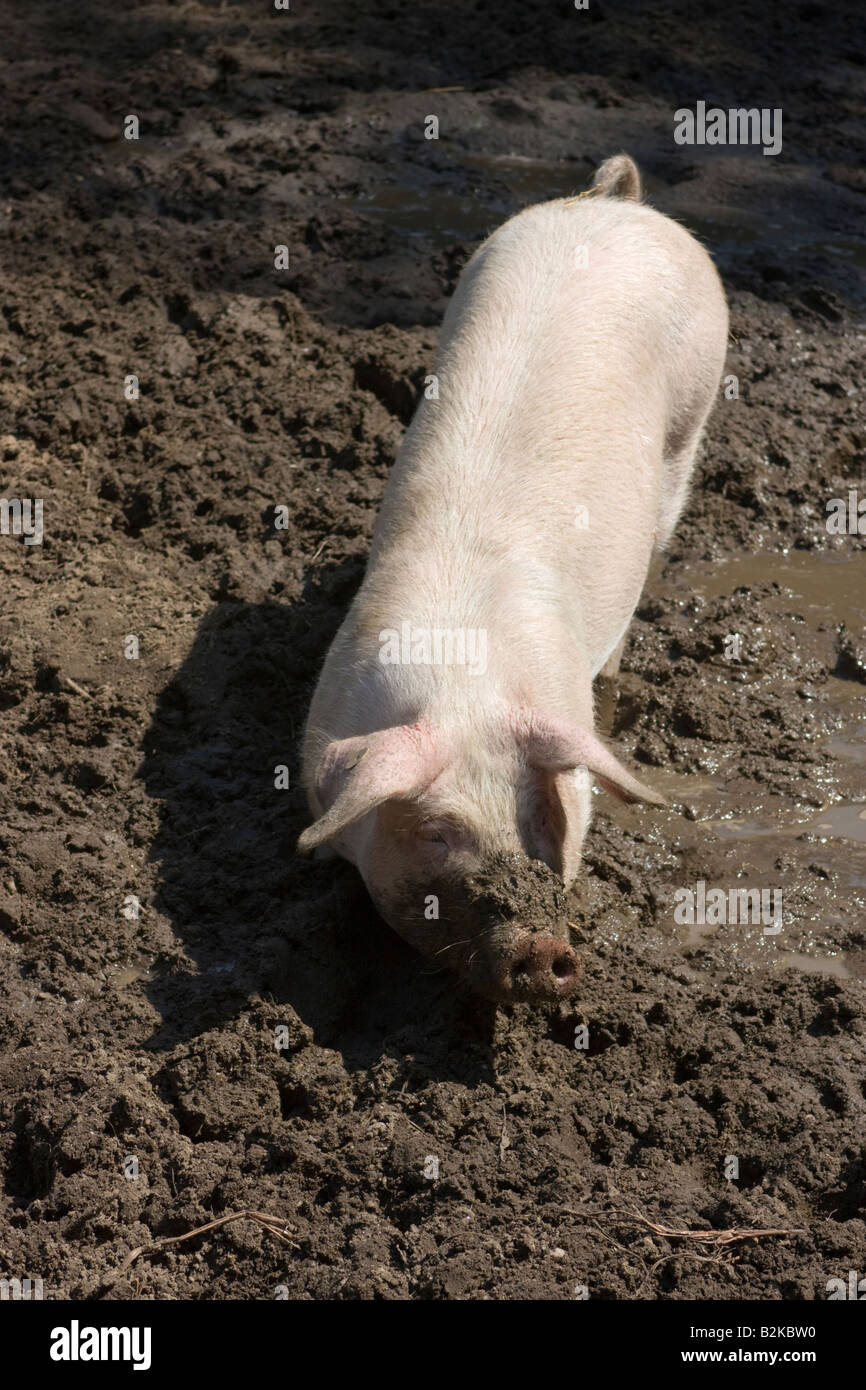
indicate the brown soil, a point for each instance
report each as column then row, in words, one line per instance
column 153, row 1037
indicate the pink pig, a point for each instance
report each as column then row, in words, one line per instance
column 452, row 724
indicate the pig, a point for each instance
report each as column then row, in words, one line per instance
column 453, row 726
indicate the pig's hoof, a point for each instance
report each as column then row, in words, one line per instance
column 542, row 968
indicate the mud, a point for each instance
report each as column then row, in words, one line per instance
column 255, row 1037
column 492, row 925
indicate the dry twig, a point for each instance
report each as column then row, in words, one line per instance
column 275, row 1224
column 710, row 1237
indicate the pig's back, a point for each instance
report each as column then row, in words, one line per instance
column 568, row 298
column 580, row 333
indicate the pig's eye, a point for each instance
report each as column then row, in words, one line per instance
column 432, row 835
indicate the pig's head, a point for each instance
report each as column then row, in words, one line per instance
column 429, row 815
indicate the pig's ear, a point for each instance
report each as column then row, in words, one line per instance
column 555, row 745
column 357, row 774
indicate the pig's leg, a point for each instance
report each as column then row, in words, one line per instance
column 606, row 688
column 678, row 466
column 683, row 436
column 610, row 669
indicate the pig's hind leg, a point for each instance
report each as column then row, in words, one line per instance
column 693, row 388
column 680, row 451
column 610, row 669
column 606, row 688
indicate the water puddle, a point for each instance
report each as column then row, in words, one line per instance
column 436, row 212
column 764, row 953
column 823, row 589
column 131, row 974
column 837, row 822
column 829, row 586
column 837, row 966
column 432, row 209
column 735, row 232
column 429, row 207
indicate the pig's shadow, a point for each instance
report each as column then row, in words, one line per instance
column 254, row 919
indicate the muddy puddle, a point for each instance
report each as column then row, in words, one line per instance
column 827, row 586
column 426, row 205
column 821, row 590
column 139, row 972
column 817, row 591
column 837, row 822
column 432, row 209
column 738, row 231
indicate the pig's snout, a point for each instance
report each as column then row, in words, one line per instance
column 535, row 967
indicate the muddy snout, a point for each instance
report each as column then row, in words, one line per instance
column 521, row 965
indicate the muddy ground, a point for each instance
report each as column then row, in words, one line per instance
column 152, row 1037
